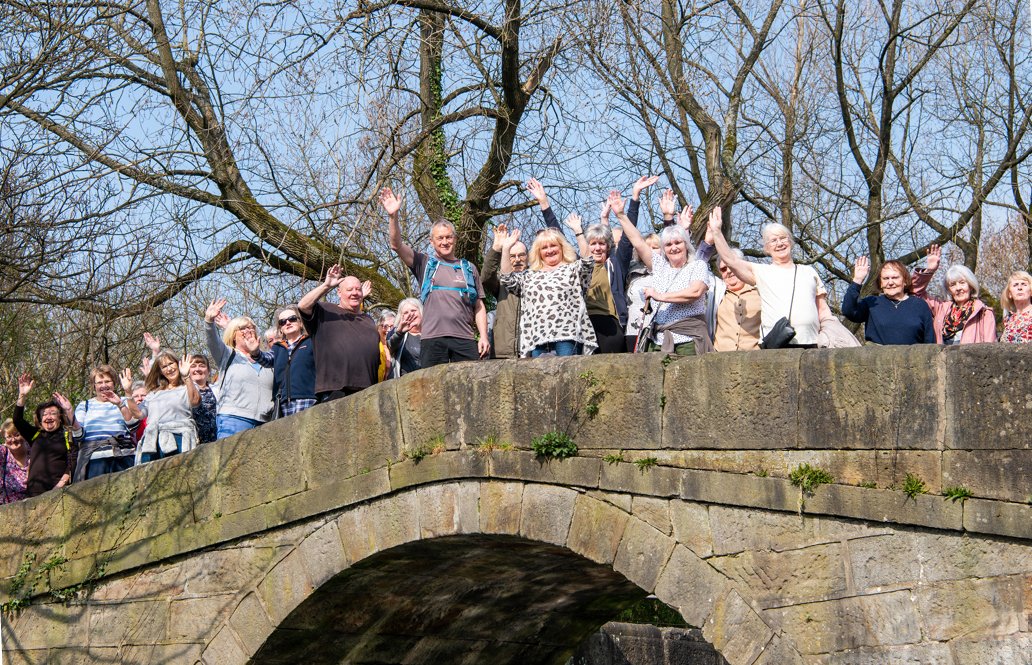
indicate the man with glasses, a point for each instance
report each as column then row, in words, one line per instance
column 505, row 338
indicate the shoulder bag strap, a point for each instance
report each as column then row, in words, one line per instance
column 791, row 302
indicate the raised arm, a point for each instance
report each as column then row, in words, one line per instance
column 537, row 190
column 153, row 343
column 923, row 276
column 126, row 379
column 739, row 266
column 641, row 184
column 668, row 207
column 192, row 393
column 616, row 204
column 573, row 222
column 505, row 240
column 492, row 262
column 216, row 346
column 391, row 205
column 24, row 427
column 334, row 276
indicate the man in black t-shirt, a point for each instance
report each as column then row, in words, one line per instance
column 347, row 344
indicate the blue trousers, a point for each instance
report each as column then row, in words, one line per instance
column 564, row 347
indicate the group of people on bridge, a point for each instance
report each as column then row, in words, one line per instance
column 613, row 290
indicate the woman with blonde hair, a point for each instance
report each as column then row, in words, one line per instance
column 1017, row 301
column 963, row 319
column 553, row 316
column 14, row 458
column 244, row 387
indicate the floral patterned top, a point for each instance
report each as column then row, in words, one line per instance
column 1017, row 328
column 204, row 416
column 15, row 477
column 552, row 305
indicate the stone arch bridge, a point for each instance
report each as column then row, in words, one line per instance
column 411, row 524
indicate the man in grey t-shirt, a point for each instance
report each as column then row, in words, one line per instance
column 454, row 297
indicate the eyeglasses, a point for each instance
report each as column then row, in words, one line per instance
column 289, row 319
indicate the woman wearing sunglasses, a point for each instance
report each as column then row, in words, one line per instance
column 292, row 360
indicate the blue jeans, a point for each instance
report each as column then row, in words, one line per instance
column 104, row 465
column 230, row 425
column 158, row 454
column 564, row 347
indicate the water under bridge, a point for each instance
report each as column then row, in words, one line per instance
column 411, row 523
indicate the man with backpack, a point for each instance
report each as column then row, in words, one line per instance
column 450, row 290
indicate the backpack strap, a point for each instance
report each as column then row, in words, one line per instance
column 428, row 277
column 469, row 291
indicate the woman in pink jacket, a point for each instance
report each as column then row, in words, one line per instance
column 964, row 319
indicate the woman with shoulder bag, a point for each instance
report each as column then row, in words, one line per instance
column 793, row 299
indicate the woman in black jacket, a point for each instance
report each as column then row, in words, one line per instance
column 403, row 339
column 53, row 444
column 292, row 360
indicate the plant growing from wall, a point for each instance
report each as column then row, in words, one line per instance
column 956, row 493
column 913, row 485
column 808, row 478
column 589, row 392
column 554, row 445
column 486, row 444
column 431, row 447
column 646, row 463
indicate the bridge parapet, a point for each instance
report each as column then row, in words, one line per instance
column 724, row 430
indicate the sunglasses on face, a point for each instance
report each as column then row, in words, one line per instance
column 289, row 319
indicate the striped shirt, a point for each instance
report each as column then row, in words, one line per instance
column 100, row 420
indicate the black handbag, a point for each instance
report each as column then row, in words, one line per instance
column 782, row 332
column 648, row 327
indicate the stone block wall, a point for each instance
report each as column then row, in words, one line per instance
column 724, row 430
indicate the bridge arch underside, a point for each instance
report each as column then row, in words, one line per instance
column 458, row 599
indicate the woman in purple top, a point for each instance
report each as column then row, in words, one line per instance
column 14, row 464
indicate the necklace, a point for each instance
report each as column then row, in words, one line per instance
column 896, row 303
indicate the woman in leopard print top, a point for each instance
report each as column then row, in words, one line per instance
column 553, row 315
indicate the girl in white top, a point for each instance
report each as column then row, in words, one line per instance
column 168, row 408
column 775, row 283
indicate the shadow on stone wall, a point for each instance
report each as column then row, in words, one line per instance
column 635, row 644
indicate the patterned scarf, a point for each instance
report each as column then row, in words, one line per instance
column 956, row 317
